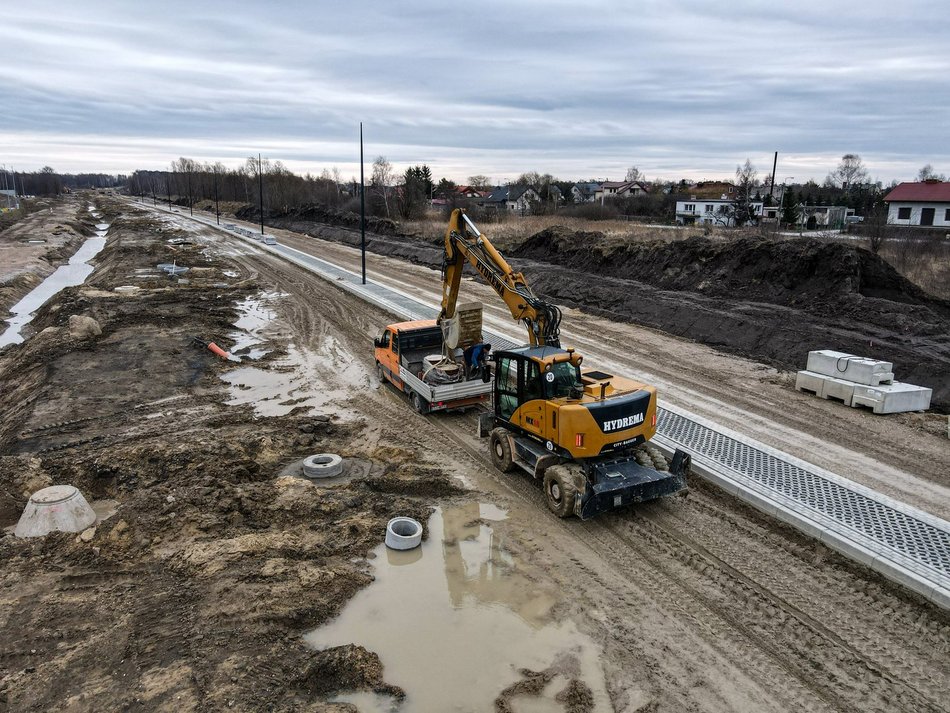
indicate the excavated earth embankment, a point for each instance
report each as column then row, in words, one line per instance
column 768, row 300
column 772, row 301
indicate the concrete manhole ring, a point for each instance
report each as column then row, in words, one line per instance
column 403, row 533
column 322, row 465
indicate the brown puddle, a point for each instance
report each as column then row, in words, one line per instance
column 298, row 380
column 454, row 622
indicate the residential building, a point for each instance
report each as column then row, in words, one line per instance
column 470, row 192
column 722, row 190
column 516, row 199
column 619, row 189
column 709, row 211
column 925, row 203
column 584, row 192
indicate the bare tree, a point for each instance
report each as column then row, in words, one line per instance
column 381, row 179
column 876, row 228
column 742, row 211
column 531, row 178
column 927, row 172
column 479, row 182
column 634, row 174
column 850, row 171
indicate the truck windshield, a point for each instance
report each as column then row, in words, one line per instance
column 565, row 376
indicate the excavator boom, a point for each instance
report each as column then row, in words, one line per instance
column 463, row 241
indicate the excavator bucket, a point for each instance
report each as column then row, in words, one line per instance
column 624, row 481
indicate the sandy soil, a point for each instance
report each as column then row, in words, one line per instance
column 196, row 594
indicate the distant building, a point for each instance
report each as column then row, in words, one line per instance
column 710, row 211
column 584, row 192
column 619, row 189
column 470, row 192
column 926, row 203
column 516, row 199
column 721, row 190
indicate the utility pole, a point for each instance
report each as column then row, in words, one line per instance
column 362, row 208
column 191, row 201
column 217, row 213
column 168, row 190
column 260, row 183
column 772, row 184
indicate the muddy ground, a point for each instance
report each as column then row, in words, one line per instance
column 192, row 596
column 772, row 301
column 196, row 593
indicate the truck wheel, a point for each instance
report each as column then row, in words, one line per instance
column 559, row 491
column 381, row 375
column 418, row 404
column 500, row 450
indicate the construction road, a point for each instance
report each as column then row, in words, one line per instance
column 699, row 602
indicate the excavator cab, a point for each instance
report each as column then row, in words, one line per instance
column 530, row 385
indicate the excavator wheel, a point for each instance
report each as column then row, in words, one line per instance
column 643, row 457
column 559, row 490
column 500, row 447
column 659, row 460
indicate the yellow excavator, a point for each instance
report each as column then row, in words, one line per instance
column 584, row 433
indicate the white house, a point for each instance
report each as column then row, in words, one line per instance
column 925, row 203
column 709, row 211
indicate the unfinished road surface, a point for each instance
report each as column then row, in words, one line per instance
column 197, row 593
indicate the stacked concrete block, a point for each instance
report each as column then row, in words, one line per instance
column 857, row 381
column 857, row 370
column 892, row 398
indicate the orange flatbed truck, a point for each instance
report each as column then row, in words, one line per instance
column 401, row 351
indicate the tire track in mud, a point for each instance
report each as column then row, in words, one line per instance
column 873, row 617
column 873, row 684
column 655, row 558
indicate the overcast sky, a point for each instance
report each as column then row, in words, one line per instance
column 577, row 89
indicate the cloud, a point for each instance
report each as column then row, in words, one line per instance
column 578, row 90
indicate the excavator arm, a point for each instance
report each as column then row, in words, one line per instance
column 463, row 241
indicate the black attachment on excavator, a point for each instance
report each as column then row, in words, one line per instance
column 620, row 481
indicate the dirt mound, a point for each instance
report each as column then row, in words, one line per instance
column 771, row 301
column 318, row 214
column 348, row 668
column 802, row 272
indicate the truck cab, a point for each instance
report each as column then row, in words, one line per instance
column 401, row 352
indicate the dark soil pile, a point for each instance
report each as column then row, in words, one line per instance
column 772, row 301
column 317, row 214
column 804, row 273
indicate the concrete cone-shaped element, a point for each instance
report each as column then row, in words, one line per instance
column 59, row 507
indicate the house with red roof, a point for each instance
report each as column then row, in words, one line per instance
column 924, row 203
